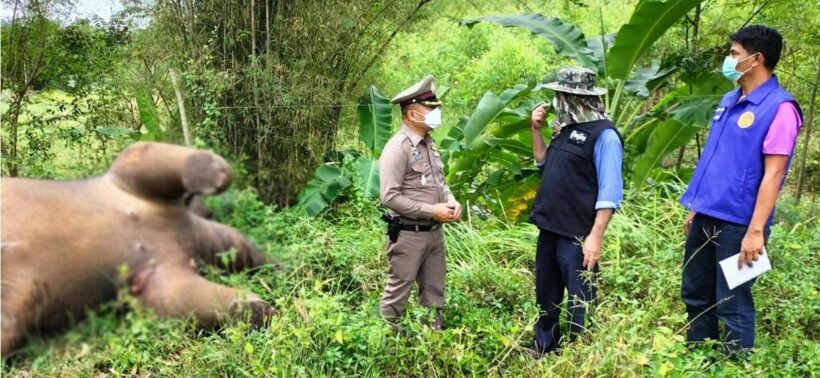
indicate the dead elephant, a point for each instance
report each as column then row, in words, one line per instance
column 64, row 242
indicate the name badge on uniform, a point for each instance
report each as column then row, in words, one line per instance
column 416, row 154
column 719, row 113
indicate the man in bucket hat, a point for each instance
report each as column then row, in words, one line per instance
column 581, row 186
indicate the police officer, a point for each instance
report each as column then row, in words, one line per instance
column 580, row 188
column 413, row 189
column 735, row 186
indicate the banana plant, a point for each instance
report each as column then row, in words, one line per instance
column 616, row 56
column 330, row 181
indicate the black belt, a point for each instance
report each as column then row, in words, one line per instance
column 419, row 227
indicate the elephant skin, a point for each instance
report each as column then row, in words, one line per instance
column 68, row 246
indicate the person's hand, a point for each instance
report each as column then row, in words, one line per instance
column 687, row 225
column 539, row 114
column 750, row 248
column 453, row 204
column 442, row 213
column 592, row 251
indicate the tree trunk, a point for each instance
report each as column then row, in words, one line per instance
column 806, row 141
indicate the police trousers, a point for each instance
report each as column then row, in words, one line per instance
column 416, row 257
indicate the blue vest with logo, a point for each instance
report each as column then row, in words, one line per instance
column 730, row 170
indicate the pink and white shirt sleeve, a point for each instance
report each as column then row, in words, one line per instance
column 782, row 135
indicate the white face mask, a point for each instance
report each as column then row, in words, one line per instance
column 432, row 119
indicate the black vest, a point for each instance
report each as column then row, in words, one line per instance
column 565, row 203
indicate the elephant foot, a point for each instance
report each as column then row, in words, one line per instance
column 257, row 313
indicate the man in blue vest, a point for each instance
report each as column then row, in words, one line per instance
column 581, row 186
column 733, row 191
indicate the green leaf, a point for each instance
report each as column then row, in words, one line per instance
column 148, row 114
column 327, row 184
column 375, row 116
column 694, row 112
column 648, row 79
column 649, row 21
column 568, row 40
column 665, row 138
column 489, row 107
column 600, row 45
column 369, row 171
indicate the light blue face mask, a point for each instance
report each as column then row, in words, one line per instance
column 730, row 68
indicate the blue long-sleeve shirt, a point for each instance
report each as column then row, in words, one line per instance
column 608, row 157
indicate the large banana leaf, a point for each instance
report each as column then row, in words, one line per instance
column 599, row 45
column 648, row 79
column 668, row 136
column 489, row 107
column 567, row 38
column 375, row 116
column 466, row 164
column 327, row 184
column 369, row 171
column 648, row 23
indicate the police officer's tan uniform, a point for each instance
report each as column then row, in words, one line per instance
column 412, row 181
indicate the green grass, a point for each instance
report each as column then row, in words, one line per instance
column 335, row 270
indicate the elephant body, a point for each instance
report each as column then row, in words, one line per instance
column 68, row 246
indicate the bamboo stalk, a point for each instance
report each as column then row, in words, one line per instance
column 181, row 105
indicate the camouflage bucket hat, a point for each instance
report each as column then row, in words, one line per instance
column 576, row 80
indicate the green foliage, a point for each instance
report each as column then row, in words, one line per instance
column 327, row 184
column 279, row 73
column 683, row 116
column 369, row 173
column 489, row 147
column 650, row 20
column 375, row 116
column 668, row 136
column 148, row 114
column 567, row 38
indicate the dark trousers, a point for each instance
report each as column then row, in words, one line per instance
column 704, row 288
column 558, row 267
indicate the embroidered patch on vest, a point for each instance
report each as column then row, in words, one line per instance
column 578, row 137
column 746, row 120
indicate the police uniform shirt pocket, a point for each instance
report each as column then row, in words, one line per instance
column 421, row 174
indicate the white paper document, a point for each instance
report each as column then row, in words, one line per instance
column 735, row 277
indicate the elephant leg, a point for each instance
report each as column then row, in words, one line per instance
column 216, row 238
column 21, row 305
column 168, row 172
column 176, row 290
column 13, row 333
